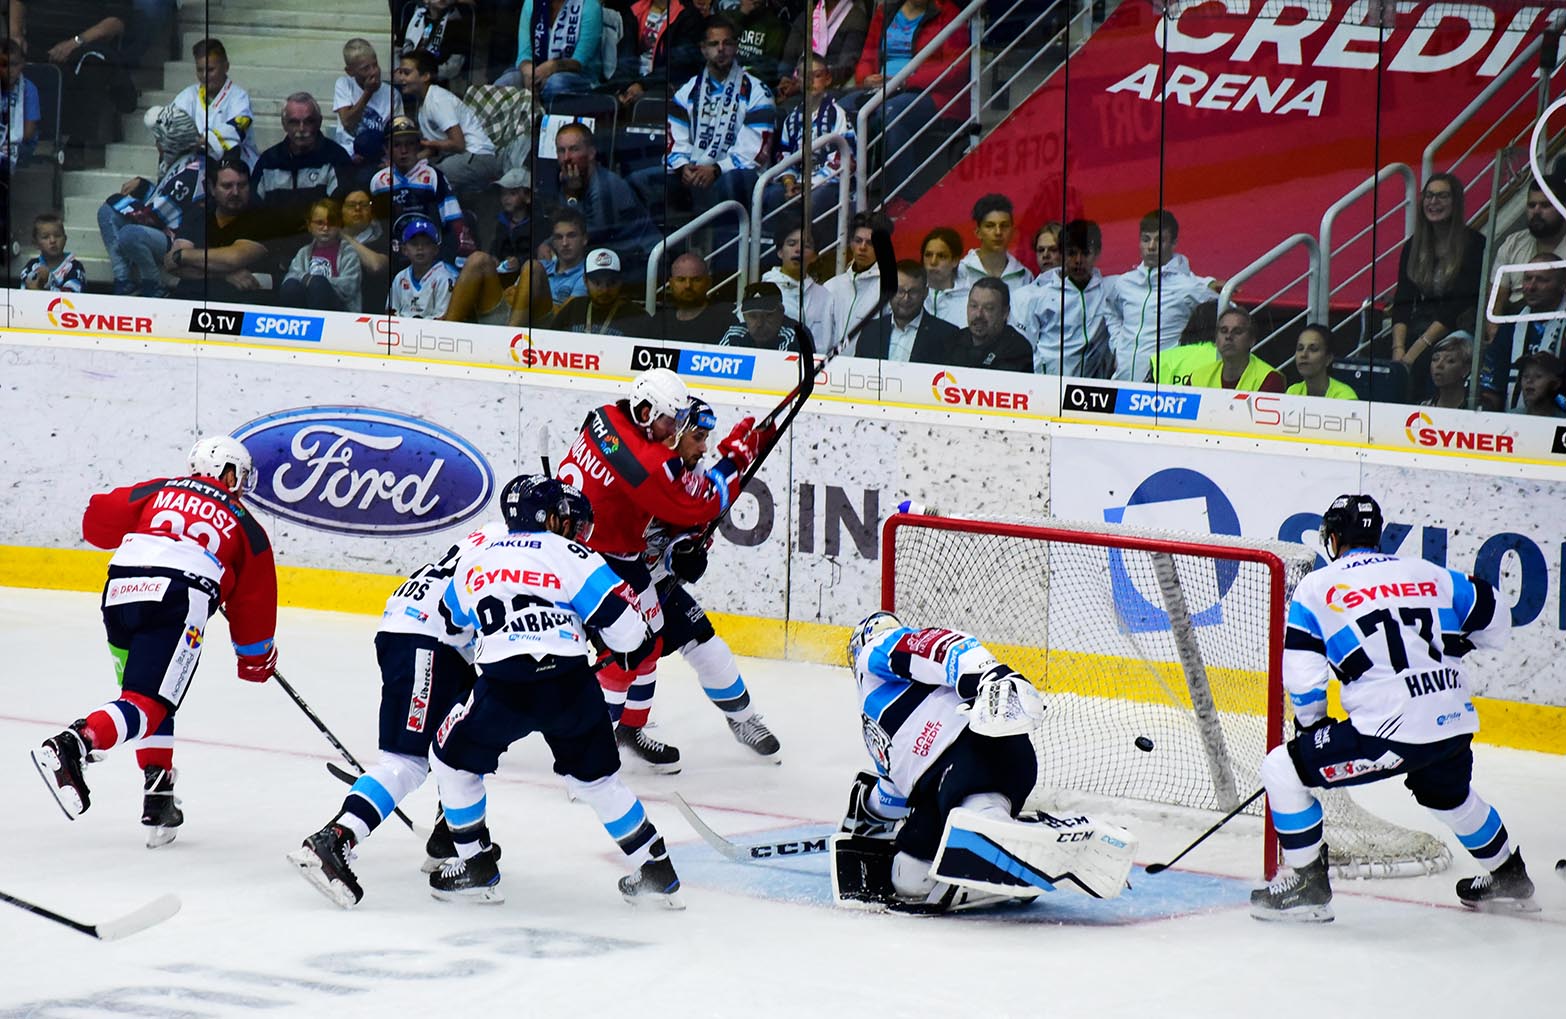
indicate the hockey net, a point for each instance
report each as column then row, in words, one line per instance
column 1160, row 656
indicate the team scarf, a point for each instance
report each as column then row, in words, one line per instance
column 718, row 111
column 823, row 122
column 424, row 34
column 556, row 41
column 824, row 26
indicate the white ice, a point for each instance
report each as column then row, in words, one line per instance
column 756, row 940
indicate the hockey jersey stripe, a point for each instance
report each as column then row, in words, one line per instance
column 1304, row 619
column 597, row 587
column 897, row 712
column 1295, row 639
column 882, row 695
column 1342, row 644
column 1354, row 666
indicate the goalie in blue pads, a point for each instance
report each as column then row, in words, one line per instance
column 935, row 827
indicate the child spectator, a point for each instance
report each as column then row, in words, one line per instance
column 855, row 290
column 218, row 105
column 948, row 297
column 411, row 187
column 826, row 117
column 364, row 104
column 442, row 29
column 325, row 274
column 1148, row 306
column 53, row 268
column 423, row 289
column 139, row 223
column 453, row 136
column 994, row 226
column 1313, row 360
column 834, row 27
column 567, row 269
column 513, row 243
column 1046, row 247
column 1539, row 382
column 19, row 109
column 803, row 298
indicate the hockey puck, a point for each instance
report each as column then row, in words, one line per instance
column 1144, row 744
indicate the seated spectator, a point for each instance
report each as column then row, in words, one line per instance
column 567, row 268
column 1437, row 278
column 223, row 256
column 905, row 331
column 615, row 217
column 518, row 297
column 1543, row 230
column 1544, row 293
column 1539, row 378
column 454, row 140
column 1147, row 306
column 1196, row 348
column 1047, row 247
column 988, row 341
column 834, row 27
column 411, row 187
column 364, row 104
column 1451, row 362
column 81, row 38
column 898, row 31
column 559, row 48
column 513, row 242
column 1062, row 311
column 668, row 44
column 53, row 268
column 303, row 168
column 1313, row 360
column 1237, row 368
column 367, row 236
column 857, row 289
column 606, row 310
column 218, row 105
column 765, row 326
column 20, row 109
column 762, row 39
column 720, row 127
column 423, row 289
column 690, row 314
column 138, row 224
column 994, row 227
column 948, row 300
column 441, row 28
column 325, row 274
column 826, row 117
column 803, row 297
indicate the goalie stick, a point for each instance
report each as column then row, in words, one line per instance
column 794, row 402
column 154, row 912
column 750, row 852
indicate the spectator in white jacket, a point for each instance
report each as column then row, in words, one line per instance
column 855, row 291
column 220, row 108
column 1148, row 306
column 803, row 298
column 1062, row 312
column 995, row 227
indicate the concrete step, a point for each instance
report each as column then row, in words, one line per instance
column 131, row 160
column 223, row 8
column 305, row 19
column 263, row 80
column 100, row 183
column 250, row 48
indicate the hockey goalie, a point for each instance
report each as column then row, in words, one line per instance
column 936, row 826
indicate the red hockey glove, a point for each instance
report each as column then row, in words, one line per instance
column 258, row 668
column 742, row 444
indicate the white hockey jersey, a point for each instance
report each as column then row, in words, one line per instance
column 908, row 693
column 225, row 120
column 538, row 594
column 416, row 605
column 1391, row 630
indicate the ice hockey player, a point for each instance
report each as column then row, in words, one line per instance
column 1393, row 632
column 623, row 462
column 946, row 726
column 426, row 668
column 534, row 598
column 183, row 547
column 675, row 559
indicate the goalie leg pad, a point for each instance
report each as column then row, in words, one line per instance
column 982, row 852
column 862, row 872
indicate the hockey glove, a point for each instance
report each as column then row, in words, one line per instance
column 862, row 818
column 742, row 444
column 688, row 560
column 630, row 660
column 1302, row 729
column 1006, row 704
column 258, row 668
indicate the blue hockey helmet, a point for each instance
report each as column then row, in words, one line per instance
column 529, row 500
column 867, row 630
column 702, row 415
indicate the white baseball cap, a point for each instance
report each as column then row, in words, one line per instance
column 602, row 260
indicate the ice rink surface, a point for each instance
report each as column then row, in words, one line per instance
column 253, row 939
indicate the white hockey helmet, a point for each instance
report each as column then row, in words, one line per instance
column 664, row 393
column 867, row 630
column 212, row 454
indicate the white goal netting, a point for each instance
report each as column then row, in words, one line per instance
column 1159, row 655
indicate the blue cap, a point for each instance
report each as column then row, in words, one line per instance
column 420, row 225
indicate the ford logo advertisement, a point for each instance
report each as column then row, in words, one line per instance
column 357, row 470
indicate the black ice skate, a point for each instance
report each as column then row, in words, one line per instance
column 660, row 758
column 60, row 760
column 1507, row 889
column 159, row 809
column 655, row 881
column 1304, row 896
column 753, row 733
column 323, row 861
column 476, row 879
column 439, row 847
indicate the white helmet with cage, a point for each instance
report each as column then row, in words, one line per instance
column 870, row 627
column 213, row 454
column 663, row 392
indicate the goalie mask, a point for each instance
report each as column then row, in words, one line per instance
column 1355, row 521
column 214, row 454
column 868, row 629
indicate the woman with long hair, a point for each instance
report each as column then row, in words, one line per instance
column 1437, row 278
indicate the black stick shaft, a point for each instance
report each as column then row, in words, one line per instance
column 1231, row 815
column 49, row 914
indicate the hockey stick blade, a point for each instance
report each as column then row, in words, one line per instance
column 153, row 913
column 756, row 852
column 1159, row 868
column 347, row 777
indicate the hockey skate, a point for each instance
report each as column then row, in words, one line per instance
column 1507, row 889
column 1303, row 896
column 753, row 733
column 159, row 809
column 439, row 847
column 60, row 760
column 660, row 758
column 323, row 861
column 476, row 879
column 655, row 881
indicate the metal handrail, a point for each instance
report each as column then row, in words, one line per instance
column 655, row 256
column 1283, row 247
column 1323, row 288
column 844, row 180
column 1506, row 74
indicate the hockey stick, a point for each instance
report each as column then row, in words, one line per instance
column 749, row 852
column 347, row 777
column 794, row 402
column 154, row 912
column 1157, row 868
